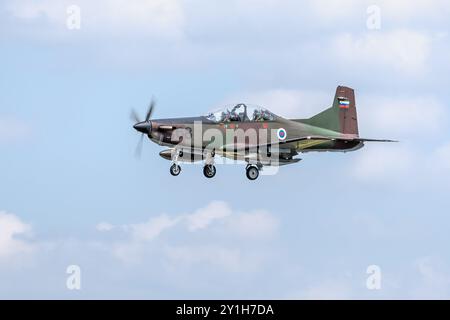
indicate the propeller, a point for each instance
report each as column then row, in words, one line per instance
column 142, row 126
column 150, row 109
column 138, row 151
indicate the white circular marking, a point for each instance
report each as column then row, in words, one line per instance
column 281, row 133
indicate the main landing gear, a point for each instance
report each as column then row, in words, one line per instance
column 252, row 172
column 209, row 171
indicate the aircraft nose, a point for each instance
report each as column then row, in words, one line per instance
column 144, row 127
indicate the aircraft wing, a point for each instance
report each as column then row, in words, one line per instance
column 244, row 147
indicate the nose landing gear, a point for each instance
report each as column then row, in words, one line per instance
column 175, row 169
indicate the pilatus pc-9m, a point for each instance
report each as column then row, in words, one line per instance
column 254, row 135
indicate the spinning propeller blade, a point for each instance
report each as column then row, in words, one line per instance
column 140, row 124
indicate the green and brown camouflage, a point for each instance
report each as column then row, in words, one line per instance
column 260, row 138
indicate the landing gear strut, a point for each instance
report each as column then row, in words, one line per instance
column 209, row 170
column 175, row 169
column 252, row 172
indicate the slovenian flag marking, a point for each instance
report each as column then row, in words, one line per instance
column 344, row 104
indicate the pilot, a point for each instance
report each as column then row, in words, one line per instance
column 233, row 115
column 266, row 115
column 226, row 116
column 257, row 116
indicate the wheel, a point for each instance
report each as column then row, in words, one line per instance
column 175, row 170
column 209, row 170
column 252, row 172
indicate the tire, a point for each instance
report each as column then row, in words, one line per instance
column 209, row 171
column 175, row 170
column 252, row 173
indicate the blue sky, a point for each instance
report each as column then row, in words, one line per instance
column 72, row 192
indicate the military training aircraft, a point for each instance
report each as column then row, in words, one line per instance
column 253, row 135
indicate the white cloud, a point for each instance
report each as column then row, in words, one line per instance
column 330, row 11
column 203, row 217
column 130, row 252
column 396, row 163
column 104, row 226
column 234, row 33
column 402, row 50
column 402, row 10
column 381, row 162
column 223, row 227
column 158, row 18
column 170, row 16
column 257, row 224
column 418, row 116
column 11, row 231
column 152, row 228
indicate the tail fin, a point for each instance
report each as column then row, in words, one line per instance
column 341, row 117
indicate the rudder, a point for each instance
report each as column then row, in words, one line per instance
column 342, row 116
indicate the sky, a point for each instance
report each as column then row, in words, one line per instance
column 73, row 194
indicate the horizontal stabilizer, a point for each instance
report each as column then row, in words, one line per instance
column 374, row 140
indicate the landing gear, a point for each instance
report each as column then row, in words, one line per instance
column 175, row 169
column 252, row 172
column 209, row 171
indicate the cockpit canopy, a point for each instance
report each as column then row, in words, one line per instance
column 241, row 112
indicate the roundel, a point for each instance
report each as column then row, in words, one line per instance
column 281, row 133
